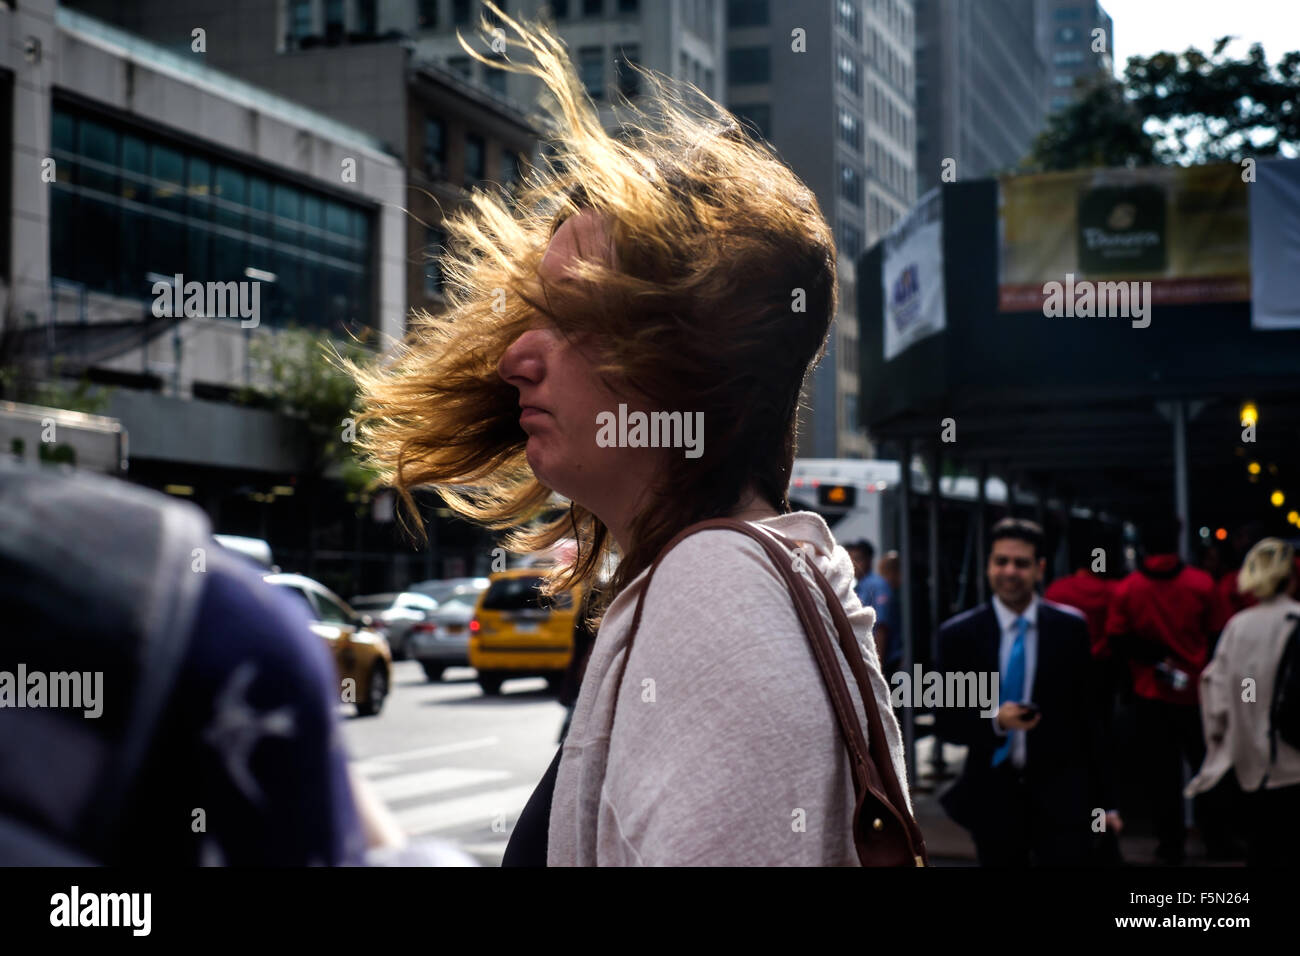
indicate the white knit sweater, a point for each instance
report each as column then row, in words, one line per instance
column 725, row 750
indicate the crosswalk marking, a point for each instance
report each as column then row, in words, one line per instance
column 434, row 781
column 481, row 808
column 390, row 763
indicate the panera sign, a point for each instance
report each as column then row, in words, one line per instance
column 1185, row 230
column 1122, row 229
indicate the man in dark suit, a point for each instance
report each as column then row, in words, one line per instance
column 1034, row 778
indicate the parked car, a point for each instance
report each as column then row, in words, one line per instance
column 516, row 633
column 361, row 654
column 443, row 640
column 395, row 615
column 443, row 588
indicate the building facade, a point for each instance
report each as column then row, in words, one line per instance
column 981, row 75
column 136, row 173
column 1073, row 49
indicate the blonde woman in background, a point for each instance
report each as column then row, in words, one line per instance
column 1237, row 722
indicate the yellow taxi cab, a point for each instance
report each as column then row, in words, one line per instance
column 515, row 633
column 361, row 653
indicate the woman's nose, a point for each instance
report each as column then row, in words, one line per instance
column 524, row 359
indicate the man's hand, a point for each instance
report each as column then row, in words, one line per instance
column 1011, row 717
column 1114, row 823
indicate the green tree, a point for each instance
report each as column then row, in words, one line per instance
column 1177, row 108
column 300, row 381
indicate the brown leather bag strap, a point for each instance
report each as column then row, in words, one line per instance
column 875, row 726
column 867, row 777
column 881, row 780
column 822, row 652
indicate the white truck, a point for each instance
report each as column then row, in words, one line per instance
column 36, row 433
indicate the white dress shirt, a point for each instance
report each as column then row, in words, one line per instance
column 1007, row 629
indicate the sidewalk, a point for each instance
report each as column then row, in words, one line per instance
column 950, row 845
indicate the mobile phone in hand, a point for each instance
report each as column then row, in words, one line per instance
column 1028, row 711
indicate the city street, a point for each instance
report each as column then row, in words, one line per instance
column 451, row 763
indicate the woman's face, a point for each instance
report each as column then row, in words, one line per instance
column 561, row 396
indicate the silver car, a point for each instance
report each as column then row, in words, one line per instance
column 443, row 640
column 395, row 615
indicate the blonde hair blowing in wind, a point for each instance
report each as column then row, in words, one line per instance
column 720, row 299
column 1267, row 567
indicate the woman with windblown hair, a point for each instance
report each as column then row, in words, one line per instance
column 684, row 274
column 1236, row 696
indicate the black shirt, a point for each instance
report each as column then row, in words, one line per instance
column 528, row 841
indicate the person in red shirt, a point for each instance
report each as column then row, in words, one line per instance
column 1089, row 594
column 1161, row 619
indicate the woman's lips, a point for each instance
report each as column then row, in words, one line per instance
column 529, row 411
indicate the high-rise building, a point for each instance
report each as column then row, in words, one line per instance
column 979, row 86
column 1073, row 47
column 857, row 156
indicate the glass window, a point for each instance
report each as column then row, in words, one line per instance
column 313, row 215
column 135, row 169
column 460, row 12
column 427, row 14
column 435, row 154
column 1063, row 80
column 747, row 13
column 333, row 21
column 593, row 8
column 169, row 178
column 1067, row 35
column 629, row 6
column 494, row 78
column 133, row 261
column 591, row 68
column 199, row 187
column 756, row 115
column 367, row 20
column 331, row 611
column 629, row 81
column 850, row 184
column 198, row 261
column 512, row 165
column 166, row 245
column 849, row 77
column 434, row 238
column 63, row 135
column 64, row 263
column 561, row 8
column 231, row 255
column 849, row 18
column 288, row 213
column 99, row 157
column 299, row 20
column 749, row 64
column 474, row 158
column 230, row 196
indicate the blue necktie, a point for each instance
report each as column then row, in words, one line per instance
column 1013, row 684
